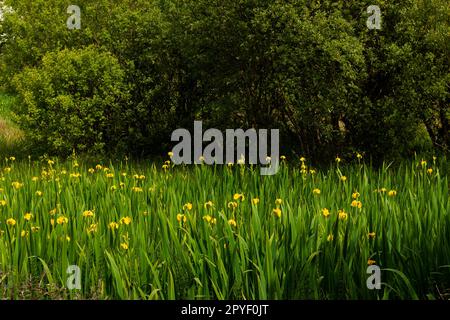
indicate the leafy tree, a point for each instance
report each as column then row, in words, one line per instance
column 422, row 61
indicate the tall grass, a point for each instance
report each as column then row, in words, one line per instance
column 11, row 137
column 163, row 249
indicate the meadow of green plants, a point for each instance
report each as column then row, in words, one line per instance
column 146, row 231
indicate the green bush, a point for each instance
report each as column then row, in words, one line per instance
column 73, row 101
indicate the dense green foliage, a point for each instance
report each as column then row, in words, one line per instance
column 74, row 99
column 311, row 68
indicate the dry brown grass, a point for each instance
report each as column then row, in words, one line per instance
column 11, row 137
column 9, row 134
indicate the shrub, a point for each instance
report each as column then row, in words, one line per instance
column 73, row 101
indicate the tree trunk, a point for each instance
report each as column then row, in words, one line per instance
column 443, row 135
